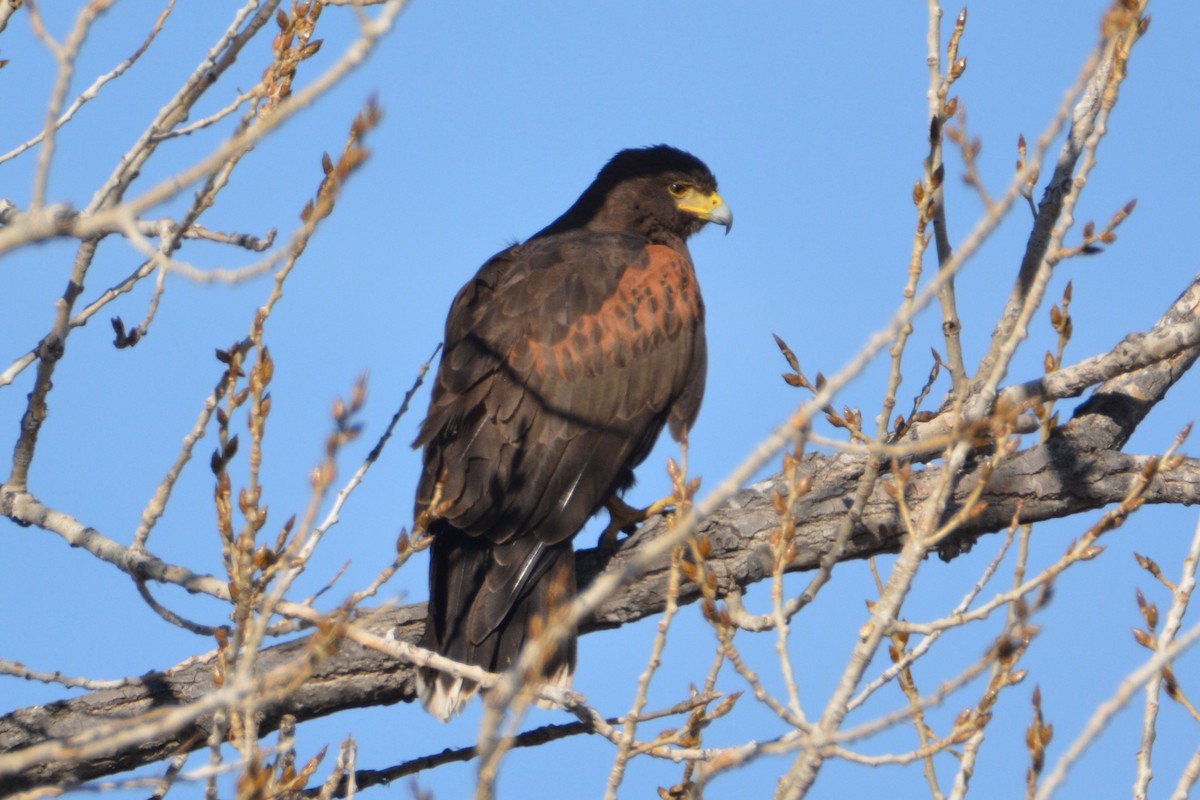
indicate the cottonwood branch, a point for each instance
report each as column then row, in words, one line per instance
column 1057, row 479
column 1079, row 469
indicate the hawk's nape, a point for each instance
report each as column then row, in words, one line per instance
column 564, row 358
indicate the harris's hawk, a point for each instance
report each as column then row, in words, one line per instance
column 565, row 357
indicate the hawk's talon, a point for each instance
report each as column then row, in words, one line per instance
column 624, row 518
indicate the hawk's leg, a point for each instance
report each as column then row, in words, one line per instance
column 624, row 518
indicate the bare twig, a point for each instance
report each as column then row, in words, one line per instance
column 934, row 209
column 1106, row 710
column 66, row 55
column 1171, row 625
column 93, row 91
column 19, row 670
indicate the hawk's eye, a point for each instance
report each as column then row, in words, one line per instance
column 677, row 189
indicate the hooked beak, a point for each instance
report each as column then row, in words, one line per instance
column 708, row 207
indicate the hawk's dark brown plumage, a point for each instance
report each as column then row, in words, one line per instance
column 564, row 359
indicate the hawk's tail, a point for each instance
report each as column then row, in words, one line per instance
column 485, row 600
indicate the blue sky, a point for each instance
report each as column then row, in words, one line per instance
column 813, row 117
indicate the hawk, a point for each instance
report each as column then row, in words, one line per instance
column 565, row 357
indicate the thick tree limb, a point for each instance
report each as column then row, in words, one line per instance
column 1118, row 406
column 1134, row 376
column 1053, row 480
column 1077, row 470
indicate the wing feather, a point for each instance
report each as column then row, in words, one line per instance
column 564, row 359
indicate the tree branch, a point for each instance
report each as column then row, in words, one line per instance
column 1053, row 480
column 1080, row 468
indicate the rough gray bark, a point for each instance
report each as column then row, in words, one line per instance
column 1081, row 468
column 1053, row 480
